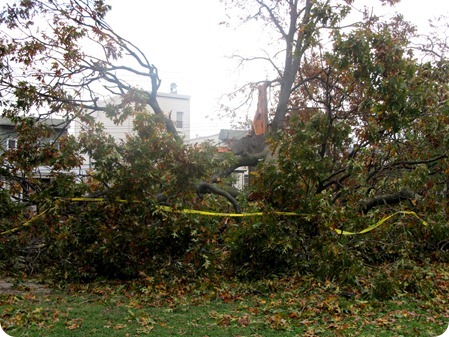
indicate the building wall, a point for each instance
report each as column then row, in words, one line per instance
column 9, row 141
column 173, row 105
column 213, row 139
column 170, row 103
column 8, row 133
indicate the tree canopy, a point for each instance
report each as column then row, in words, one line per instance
column 357, row 130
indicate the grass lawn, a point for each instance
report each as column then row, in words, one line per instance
column 296, row 306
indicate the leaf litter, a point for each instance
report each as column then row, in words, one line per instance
column 297, row 306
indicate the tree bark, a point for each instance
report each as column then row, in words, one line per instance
column 387, row 199
column 205, row 188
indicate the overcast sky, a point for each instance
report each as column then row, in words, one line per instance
column 185, row 41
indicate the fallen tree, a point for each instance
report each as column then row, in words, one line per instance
column 357, row 131
column 348, row 123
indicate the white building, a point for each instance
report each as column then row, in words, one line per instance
column 176, row 106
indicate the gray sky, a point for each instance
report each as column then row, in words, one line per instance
column 188, row 45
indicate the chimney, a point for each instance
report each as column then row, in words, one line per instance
column 173, row 88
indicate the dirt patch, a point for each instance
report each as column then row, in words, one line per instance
column 9, row 286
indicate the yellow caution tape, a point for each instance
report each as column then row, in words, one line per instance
column 191, row 211
column 235, row 215
column 93, row 200
column 25, row 224
column 229, row 215
column 380, row 222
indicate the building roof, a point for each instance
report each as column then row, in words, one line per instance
column 211, row 138
column 56, row 123
column 173, row 95
column 227, row 134
column 223, row 138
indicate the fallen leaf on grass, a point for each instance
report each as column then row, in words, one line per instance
column 119, row 326
column 278, row 322
column 244, row 320
column 74, row 324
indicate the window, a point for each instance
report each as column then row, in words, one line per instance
column 246, row 180
column 179, row 115
column 11, row 144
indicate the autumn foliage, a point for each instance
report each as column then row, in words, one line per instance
column 359, row 132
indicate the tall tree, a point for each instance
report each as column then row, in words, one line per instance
column 358, row 126
column 362, row 113
column 61, row 59
column 299, row 26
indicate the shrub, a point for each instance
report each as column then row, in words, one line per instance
column 263, row 247
column 384, row 286
column 335, row 259
column 116, row 240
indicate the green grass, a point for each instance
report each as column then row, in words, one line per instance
column 285, row 307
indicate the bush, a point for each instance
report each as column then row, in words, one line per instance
column 384, row 286
column 335, row 259
column 116, row 240
column 264, row 247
